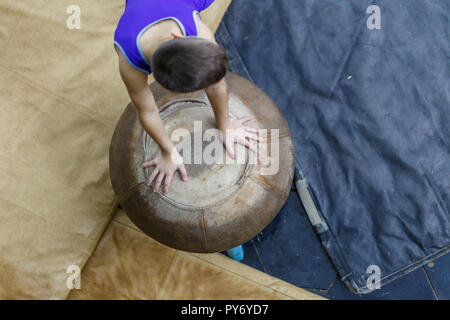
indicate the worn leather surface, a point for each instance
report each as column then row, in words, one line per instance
column 61, row 98
column 127, row 264
column 220, row 206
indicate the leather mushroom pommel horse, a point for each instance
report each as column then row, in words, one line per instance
column 225, row 202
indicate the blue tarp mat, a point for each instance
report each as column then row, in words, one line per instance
column 369, row 110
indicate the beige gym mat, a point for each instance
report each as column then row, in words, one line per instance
column 61, row 96
column 129, row 265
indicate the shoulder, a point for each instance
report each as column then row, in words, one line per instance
column 204, row 31
column 128, row 72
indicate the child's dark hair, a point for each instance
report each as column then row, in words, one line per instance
column 189, row 64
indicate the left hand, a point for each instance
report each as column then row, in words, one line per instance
column 236, row 132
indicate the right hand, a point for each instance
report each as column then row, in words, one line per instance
column 165, row 166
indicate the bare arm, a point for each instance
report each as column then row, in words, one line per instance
column 218, row 92
column 147, row 110
column 218, row 97
column 168, row 160
column 233, row 130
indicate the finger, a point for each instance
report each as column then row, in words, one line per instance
column 183, row 172
column 245, row 119
column 247, row 144
column 230, row 149
column 158, row 181
column 253, row 136
column 167, row 181
column 152, row 176
column 148, row 164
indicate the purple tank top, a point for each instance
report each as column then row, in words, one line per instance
column 139, row 15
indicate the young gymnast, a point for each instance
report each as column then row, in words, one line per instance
column 169, row 39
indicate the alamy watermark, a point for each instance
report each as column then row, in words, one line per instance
column 74, row 19
column 373, row 282
column 73, row 281
column 203, row 148
column 374, row 20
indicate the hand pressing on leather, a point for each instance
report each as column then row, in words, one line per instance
column 165, row 166
column 236, row 132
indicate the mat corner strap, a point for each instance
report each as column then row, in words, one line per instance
column 311, row 210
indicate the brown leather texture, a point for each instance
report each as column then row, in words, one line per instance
column 127, row 264
column 241, row 199
column 61, row 97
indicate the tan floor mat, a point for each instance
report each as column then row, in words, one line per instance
column 61, row 96
column 127, row 264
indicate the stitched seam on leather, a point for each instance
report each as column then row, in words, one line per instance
column 204, row 229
